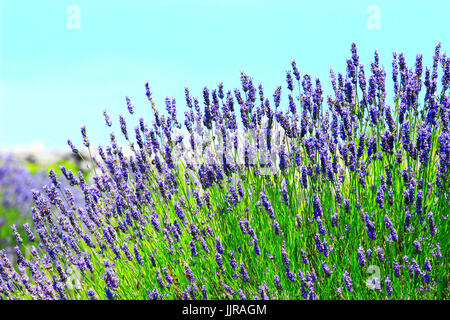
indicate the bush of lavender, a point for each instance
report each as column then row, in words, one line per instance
column 343, row 197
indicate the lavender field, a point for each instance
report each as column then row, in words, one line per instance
column 250, row 194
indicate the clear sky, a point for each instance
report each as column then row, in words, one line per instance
column 55, row 77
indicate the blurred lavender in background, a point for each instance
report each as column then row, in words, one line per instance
column 18, row 178
column 16, row 183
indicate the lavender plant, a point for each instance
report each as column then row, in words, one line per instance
column 287, row 203
column 16, row 182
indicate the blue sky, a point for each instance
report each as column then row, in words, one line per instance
column 54, row 79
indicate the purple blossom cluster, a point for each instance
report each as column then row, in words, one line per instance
column 221, row 209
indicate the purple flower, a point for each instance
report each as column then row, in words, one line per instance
column 256, row 247
column 92, row 295
column 380, row 253
column 107, row 119
column 109, row 294
column 193, row 248
column 321, row 226
column 289, row 274
column 74, row 150
column 179, row 212
column 380, row 195
column 219, row 246
column 347, row 205
column 369, row 254
column 405, row 135
column 263, row 291
column 154, row 295
column 219, row 260
column 137, row 255
column 417, row 245
column 244, row 273
column 284, row 254
column 396, row 267
column 361, row 256
column 335, row 219
column 348, row 281
column 233, row 262
column 16, row 234
column 204, row 292
column 85, row 139
column 267, row 205
column 188, row 272
column 388, row 283
column 30, row 234
column 433, row 229
column 130, row 106
column 242, row 296
column 419, row 202
column 285, row 194
column 295, row 70
column 387, row 222
column 317, row 206
column 427, row 265
column 19, row 255
column 290, row 84
column 277, row 96
column 123, row 126
column 304, row 257
column 370, row 225
column 326, row 269
column 304, row 177
column 277, row 228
